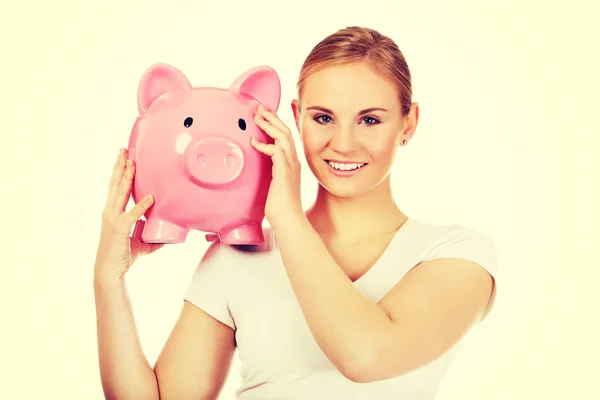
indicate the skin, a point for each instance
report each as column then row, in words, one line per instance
column 433, row 306
column 323, row 249
column 187, row 368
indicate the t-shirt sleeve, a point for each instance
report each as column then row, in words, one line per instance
column 468, row 244
column 211, row 284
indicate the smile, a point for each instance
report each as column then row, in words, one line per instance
column 345, row 167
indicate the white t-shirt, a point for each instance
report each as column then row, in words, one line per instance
column 249, row 290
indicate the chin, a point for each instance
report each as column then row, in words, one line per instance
column 344, row 191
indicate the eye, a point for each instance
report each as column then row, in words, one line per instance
column 242, row 124
column 188, row 122
column 323, row 119
column 370, row 121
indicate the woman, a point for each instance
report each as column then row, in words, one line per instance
column 351, row 299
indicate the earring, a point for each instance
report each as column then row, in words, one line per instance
column 404, row 141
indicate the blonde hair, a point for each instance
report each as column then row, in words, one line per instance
column 353, row 44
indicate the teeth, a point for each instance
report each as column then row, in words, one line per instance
column 345, row 166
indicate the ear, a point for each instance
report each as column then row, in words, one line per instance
column 159, row 79
column 411, row 120
column 261, row 83
column 296, row 112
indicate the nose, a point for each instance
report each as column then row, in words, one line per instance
column 343, row 140
column 213, row 161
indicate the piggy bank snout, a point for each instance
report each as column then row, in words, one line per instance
column 213, row 161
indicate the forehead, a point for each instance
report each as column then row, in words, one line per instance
column 350, row 85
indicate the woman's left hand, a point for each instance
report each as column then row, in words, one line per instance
column 283, row 200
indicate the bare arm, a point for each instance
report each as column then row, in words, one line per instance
column 419, row 319
column 196, row 358
column 193, row 364
column 124, row 370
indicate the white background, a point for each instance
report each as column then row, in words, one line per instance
column 507, row 144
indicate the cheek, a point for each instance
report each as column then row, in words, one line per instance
column 383, row 147
column 314, row 141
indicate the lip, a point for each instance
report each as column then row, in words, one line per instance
column 344, row 173
column 344, row 162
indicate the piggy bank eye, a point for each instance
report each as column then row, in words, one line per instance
column 188, row 122
column 242, row 124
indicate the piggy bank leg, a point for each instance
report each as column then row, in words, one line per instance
column 211, row 237
column 156, row 230
column 138, row 230
column 249, row 233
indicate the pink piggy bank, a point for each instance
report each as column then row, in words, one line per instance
column 191, row 146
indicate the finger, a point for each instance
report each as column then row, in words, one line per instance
column 117, row 174
column 281, row 166
column 124, row 191
column 272, row 117
column 265, row 148
column 282, row 139
column 280, row 161
column 133, row 215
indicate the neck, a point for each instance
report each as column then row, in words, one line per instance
column 372, row 213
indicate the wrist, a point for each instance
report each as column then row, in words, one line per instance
column 108, row 280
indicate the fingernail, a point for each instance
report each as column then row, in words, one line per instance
column 265, row 107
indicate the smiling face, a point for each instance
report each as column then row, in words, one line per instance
column 351, row 125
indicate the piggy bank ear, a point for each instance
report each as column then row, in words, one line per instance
column 157, row 80
column 262, row 83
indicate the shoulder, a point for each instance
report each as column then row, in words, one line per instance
column 444, row 248
column 221, row 253
column 459, row 241
column 222, row 273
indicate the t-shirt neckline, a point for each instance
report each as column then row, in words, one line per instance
column 386, row 253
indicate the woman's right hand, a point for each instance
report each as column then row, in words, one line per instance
column 117, row 249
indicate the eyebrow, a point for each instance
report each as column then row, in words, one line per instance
column 365, row 111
